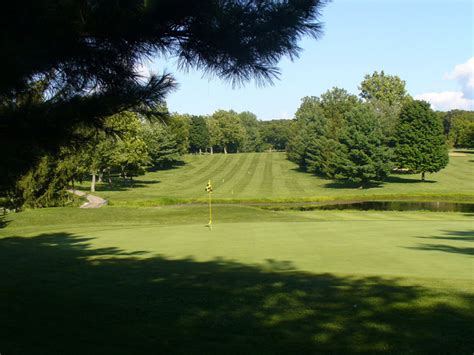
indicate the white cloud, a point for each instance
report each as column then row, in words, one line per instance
column 464, row 74
column 449, row 100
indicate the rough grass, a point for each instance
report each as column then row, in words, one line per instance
column 155, row 280
column 271, row 177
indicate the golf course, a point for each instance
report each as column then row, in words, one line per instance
column 270, row 177
column 145, row 275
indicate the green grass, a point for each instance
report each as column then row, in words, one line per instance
column 129, row 280
column 271, row 177
column 155, row 280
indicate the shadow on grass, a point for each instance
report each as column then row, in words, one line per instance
column 445, row 248
column 449, row 235
column 170, row 166
column 61, row 296
column 401, row 180
column 346, row 184
column 467, row 236
column 3, row 222
column 119, row 184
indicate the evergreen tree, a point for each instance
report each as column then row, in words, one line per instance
column 161, row 145
column 198, row 134
column 362, row 157
column 315, row 145
column 300, row 133
column 420, row 141
column 91, row 51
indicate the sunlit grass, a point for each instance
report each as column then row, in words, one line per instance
column 263, row 177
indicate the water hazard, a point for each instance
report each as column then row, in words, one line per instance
column 384, row 206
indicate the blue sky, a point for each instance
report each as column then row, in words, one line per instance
column 422, row 41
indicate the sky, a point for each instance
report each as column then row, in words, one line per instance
column 428, row 43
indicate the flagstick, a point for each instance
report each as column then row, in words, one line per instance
column 210, row 211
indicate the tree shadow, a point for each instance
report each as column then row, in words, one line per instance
column 448, row 235
column 464, row 151
column 445, row 248
column 467, row 236
column 402, row 180
column 4, row 222
column 347, row 184
column 121, row 185
column 62, row 296
column 171, row 166
column 299, row 170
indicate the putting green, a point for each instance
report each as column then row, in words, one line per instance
column 420, row 249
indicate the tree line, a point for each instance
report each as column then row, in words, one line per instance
column 363, row 138
column 129, row 144
column 229, row 132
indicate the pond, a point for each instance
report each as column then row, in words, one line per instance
column 383, row 206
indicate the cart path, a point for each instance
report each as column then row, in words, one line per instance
column 92, row 201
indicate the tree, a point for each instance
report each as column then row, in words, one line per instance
column 275, row 133
column 252, row 140
column 198, row 134
column 179, row 126
column 91, row 52
column 420, row 142
column 215, row 133
column 130, row 151
column 306, row 114
column 320, row 121
column 362, row 157
column 232, row 132
column 335, row 103
column 161, row 145
column 459, row 127
column 386, row 88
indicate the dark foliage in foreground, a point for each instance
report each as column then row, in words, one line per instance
column 87, row 52
column 56, row 301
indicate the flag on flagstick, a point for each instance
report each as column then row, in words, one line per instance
column 209, row 186
column 209, row 192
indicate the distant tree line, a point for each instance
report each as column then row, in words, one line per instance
column 458, row 128
column 230, row 132
column 129, row 145
column 362, row 139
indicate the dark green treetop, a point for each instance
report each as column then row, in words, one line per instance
column 420, row 141
column 362, row 157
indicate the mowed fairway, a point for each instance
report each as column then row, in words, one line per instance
column 270, row 176
column 155, row 280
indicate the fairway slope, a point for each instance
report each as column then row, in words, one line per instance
column 270, row 177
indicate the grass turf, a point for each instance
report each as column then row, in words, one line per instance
column 155, row 280
column 271, row 177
